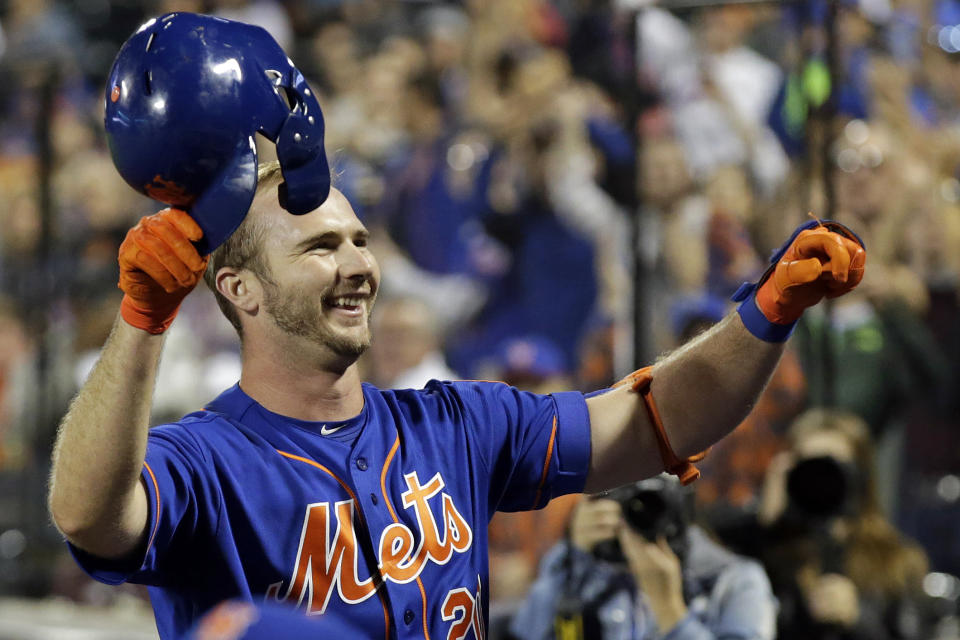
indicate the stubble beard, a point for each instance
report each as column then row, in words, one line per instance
column 297, row 314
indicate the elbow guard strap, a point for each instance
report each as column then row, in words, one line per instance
column 684, row 469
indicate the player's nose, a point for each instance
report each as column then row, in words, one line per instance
column 356, row 263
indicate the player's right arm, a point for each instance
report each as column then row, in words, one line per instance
column 96, row 496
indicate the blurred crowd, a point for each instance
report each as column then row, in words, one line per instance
column 503, row 153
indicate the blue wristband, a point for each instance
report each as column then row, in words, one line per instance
column 754, row 320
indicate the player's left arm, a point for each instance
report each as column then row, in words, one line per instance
column 703, row 390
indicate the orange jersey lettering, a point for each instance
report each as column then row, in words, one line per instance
column 324, row 565
column 319, row 566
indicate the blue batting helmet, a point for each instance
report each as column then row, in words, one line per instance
column 185, row 97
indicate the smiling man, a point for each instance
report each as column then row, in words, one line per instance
column 365, row 509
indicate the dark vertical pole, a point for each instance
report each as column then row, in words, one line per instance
column 642, row 269
column 39, row 302
column 828, row 133
column 45, row 159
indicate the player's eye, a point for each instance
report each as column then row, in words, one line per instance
column 323, row 245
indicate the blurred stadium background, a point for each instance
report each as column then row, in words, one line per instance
column 557, row 189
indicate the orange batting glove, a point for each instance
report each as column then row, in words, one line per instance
column 821, row 259
column 158, row 268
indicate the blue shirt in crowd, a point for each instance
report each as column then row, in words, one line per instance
column 728, row 596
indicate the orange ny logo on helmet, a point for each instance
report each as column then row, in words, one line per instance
column 167, row 191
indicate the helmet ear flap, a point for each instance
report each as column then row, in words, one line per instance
column 282, row 195
column 300, row 186
column 303, row 162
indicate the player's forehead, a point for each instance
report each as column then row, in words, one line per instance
column 335, row 215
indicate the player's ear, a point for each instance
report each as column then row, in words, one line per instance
column 241, row 287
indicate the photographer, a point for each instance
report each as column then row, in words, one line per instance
column 840, row 570
column 633, row 567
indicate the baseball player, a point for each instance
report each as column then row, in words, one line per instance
column 365, row 509
column 302, row 485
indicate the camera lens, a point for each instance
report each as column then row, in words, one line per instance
column 644, row 512
column 819, row 487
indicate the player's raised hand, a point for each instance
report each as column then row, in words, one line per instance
column 159, row 266
column 821, row 259
column 824, row 261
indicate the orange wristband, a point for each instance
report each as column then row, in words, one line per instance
column 683, row 468
column 148, row 321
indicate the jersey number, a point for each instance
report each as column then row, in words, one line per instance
column 464, row 609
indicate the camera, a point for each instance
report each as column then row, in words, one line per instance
column 654, row 508
column 822, row 487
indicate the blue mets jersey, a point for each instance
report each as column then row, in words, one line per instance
column 376, row 524
column 239, row 620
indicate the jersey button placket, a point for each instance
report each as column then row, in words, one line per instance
column 377, row 520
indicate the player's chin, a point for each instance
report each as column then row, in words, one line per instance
column 351, row 343
column 351, row 327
